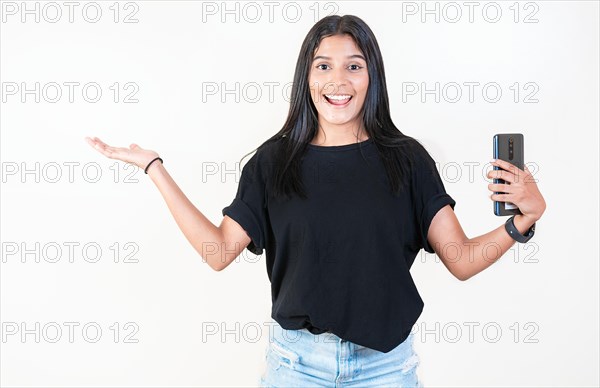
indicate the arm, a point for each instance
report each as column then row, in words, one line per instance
column 465, row 257
column 218, row 246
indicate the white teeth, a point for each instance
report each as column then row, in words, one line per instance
column 336, row 97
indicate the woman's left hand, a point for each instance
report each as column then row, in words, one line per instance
column 522, row 190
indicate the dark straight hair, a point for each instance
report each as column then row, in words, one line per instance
column 302, row 123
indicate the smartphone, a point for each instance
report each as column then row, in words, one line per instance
column 508, row 147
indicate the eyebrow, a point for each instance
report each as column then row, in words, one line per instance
column 349, row 56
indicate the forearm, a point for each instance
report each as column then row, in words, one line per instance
column 465, row 257
column 482, row 251
column 204, row 236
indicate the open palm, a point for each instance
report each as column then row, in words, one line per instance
column 134, row 154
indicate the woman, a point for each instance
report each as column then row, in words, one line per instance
column 342, row 202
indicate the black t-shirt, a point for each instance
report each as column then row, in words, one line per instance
column 339, row 261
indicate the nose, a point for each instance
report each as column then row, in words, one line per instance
column 336, row 80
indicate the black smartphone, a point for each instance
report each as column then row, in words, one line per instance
column 508, row 147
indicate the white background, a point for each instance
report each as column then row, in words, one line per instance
column 546, row 291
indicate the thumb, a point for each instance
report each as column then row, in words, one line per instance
column 133, row 146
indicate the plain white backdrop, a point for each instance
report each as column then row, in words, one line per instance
column 100, row 288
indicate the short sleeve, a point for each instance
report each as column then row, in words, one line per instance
column 248, row 208
column 430, row 194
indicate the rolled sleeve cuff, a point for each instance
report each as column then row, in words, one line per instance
column 242, row 214
column 433, row 206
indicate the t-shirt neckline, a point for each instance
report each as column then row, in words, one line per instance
column 343, row 147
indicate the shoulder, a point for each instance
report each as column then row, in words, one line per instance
column 421, row 164
column 263, row 157
column 412, row 152
column 425, row 169
column 419, row 155
column 267, row 151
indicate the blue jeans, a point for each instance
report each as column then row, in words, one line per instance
column 298, row 358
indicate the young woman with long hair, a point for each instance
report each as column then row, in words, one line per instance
column 342, row 201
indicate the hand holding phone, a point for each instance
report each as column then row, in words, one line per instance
column 508, row 147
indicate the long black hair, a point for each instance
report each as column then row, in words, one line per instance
column 302, row 123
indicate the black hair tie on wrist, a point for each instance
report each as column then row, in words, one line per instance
column 152, row 161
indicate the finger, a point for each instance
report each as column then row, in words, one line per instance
column 98, row 141
column 502, row 174
column 109, row 151
column 91, row 139
column 526, row 174
column 503, row 164
column 502, row 197
column 498, row 187
column 106, row 151
column 119, row 153
column 94, row 143
column 112, row 150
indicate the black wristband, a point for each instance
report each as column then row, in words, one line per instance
column 152, row 161
column 514, row 232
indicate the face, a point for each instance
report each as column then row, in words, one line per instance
column 338, row 71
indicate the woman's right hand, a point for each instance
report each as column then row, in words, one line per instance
column 134, row 154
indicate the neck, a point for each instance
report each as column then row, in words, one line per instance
column 339, row 135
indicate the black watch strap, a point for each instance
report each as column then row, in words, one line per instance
column 514, row 232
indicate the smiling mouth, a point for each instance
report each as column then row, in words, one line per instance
column 338, row 100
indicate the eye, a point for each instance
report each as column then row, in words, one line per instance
column 320, row 68
column 357, row 67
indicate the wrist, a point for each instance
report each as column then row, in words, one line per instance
column 154, row 166
column 520, row 230
column 523, row 222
